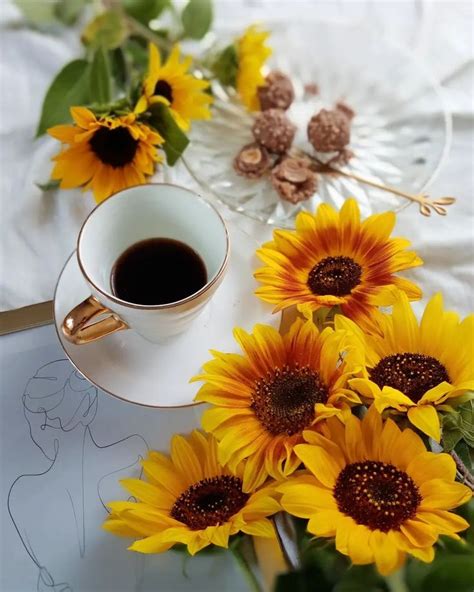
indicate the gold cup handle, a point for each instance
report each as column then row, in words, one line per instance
column 76, row 328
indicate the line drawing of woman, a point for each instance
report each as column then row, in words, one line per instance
column 54, row 510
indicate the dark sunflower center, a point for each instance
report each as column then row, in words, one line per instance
column 334, row 275
column 412, row 374
column 210, row 502
column 115, row 147
column 163, row 89
column 284, row 400
column 376, row 494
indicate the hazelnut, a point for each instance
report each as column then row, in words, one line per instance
column 294, row 180
column 252, row 161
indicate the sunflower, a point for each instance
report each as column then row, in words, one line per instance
column 377, row 490
column 333, row 259
column 252, row 53
column 416, row 368
column 264, row 399
column 171, row 84
column 190, row 498
column 105, row 154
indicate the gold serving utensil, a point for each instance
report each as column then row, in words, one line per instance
column 426, row 204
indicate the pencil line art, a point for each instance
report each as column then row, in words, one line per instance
column 60, row 406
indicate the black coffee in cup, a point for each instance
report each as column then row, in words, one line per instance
column 158, row 271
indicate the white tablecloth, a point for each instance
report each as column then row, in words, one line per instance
column 39, row 230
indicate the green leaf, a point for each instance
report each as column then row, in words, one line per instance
column 37, row 13
column 138, row 52
column 108, row 30
column 451, row 438
column 176, row 140
column 69, row 88
column 454, row 573
column 226, row 66
column 467, row 512
column 466, row 423
column 462, row 450
column 197, row 18
column 119, row 68
column 50, row 185
column 145, row 10
column 68, row 11
column 459, row 424
column 360, row 578
column 100, row 77
column 303, row 581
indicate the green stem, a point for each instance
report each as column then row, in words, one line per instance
column 138, row 29
column 142, row 31
column 396, row 581
column 246, row 569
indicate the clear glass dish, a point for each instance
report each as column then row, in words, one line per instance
column 400, row 134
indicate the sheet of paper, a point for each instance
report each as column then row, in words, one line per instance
column 64, row 447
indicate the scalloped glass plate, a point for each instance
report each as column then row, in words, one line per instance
column 400, row 134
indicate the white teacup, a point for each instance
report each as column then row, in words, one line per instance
column 130, row 216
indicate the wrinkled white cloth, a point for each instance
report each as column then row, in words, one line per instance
column 38, row 231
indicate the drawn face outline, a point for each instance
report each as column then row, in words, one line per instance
column 57, row 400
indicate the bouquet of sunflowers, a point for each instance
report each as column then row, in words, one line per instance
column 347, row 436
column 129, row 102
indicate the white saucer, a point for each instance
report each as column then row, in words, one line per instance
column 157, row 375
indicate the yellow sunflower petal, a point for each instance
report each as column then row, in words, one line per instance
column 425, row 418
column 304, row 500
column 443, row 495
column 154, row 58
column 418, row 533
column 116, row 526
column 436, row 394
column 146, row 492
column 161, row 471
column 319, row 462
column 220, row 535
column 185, row 460
column 428, row 465
column 142, row 105
column 426, row 555
column 344, row 528
column 391, row 397
column 82, row 116
column 409, row 445
column 359, row 549
column 355, row 448
column 386, row 554
column 325, row 523
column 254, row 472
column 261, row 528
column 366, row 388
column 196, row 544
column 446, row 522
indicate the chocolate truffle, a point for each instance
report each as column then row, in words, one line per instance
column 294, row 180
column 277, row 92
column 252, row 161
column 274, row 130
column 329, row 131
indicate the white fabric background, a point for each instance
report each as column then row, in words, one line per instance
column 38, row 231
